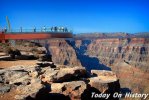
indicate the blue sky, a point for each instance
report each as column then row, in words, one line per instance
column 80, row 15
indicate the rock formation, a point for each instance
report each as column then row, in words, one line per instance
column 62, row 53
column 127, row 57
column 38, row 82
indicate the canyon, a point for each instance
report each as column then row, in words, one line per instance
column 101, row 61
column 127, row 57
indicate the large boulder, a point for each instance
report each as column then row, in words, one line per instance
column 13, row 77
column 104, row 85
column 66, row 74
column 73, row 89
column 104, row 81
column 63, row 74
column 104, row 74
column 29, row 91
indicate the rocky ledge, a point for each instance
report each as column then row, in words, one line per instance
column 46, row 80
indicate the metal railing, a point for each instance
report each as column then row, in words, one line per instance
column 52, row 30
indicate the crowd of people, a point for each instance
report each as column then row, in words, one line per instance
column 55, row 29
column 43, row 29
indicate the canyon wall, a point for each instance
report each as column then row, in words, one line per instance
column 127, row 57
column 62, row 53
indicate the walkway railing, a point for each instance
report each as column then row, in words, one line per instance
column 52, row 30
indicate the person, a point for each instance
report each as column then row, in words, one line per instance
column 34, row 29
column 65, row 29
column 52, row 29
column 5, row 29
column 55, row 29
column 58, row 29
column 44, row 29
column 20, row 29
column 62, row 28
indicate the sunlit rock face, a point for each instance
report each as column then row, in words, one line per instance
column 127, row 57
column 44, row 82
column 62, row 53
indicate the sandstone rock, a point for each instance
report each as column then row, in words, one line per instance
column 104, row 85
column 41, row 50
column 62, row 53
column 12, row 77
column 2, row 71
column 34, row 74
column 72, row 89
column 32, row 71
column 29, row 90
column 103, row 80
column 104, row 74
column 48, row 74
column 32, row 82
column 64, row 74
column 20, row 97
column 4, row 88
column 22, row 68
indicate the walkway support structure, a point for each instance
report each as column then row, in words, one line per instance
column 33, row 36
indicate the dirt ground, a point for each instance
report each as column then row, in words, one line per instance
column 5, row 64
column 8, row 96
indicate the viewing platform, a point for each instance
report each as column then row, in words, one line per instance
column 35, row 34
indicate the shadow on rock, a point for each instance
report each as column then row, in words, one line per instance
column 88, row 94
column 124, row 91
column 44, row 94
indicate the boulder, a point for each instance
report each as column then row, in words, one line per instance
column 101, row 85
column 34, row 74
column 73, row 89
column 34, row 82
column 4, row 88
column 13, row 77
column 32, row 71
column 48, row 74
column 67, row 74
column 23, row 68
column 29, row 91
column 64, row 74
column 104, row 74
column 104, row 81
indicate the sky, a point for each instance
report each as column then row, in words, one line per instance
column 81, row 16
